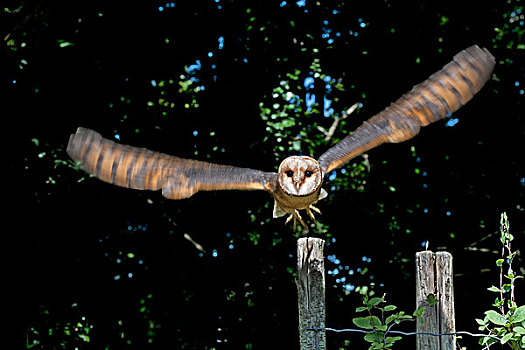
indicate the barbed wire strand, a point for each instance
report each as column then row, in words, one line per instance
column 349, row 330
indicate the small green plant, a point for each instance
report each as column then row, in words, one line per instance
column 379, row 326
column 507, row 321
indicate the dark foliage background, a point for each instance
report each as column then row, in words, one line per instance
column 89, row 265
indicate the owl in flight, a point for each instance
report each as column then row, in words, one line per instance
column 297, row 184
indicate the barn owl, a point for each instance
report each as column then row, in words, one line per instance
column 297, row 185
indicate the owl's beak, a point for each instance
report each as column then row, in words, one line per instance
column 297, row 185
column 297, row 181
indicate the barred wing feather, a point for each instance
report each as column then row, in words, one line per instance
column 442, row 93
column 142, row 169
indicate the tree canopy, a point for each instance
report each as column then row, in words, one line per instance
column 247, row 83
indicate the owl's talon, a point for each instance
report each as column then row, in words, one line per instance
column 298, row 216
column 315, row 209
column 289, row 219
column 310, row 213
column 295, row 216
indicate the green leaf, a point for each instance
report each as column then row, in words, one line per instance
column 506, row 338
column 360, row 309
column 494, row 289
column 496, row 318
column 390, row 308
column 480, row 322
column 419, row 311
column 500, row 262
column 404, row 317
column 63, row 43
column 432, row 300
column 390, row 318
column 373, row 337
column 519, row 330
column 382, row 327
column 362, row 322
column 375, row 346
column 369, row 322
column 84, row 337
column 519, row 314
column 375, row 301
column 390, row 340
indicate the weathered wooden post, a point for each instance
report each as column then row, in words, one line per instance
column 311, row 293
column 434, row 279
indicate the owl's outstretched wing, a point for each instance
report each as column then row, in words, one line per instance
column 143, row 169
column 441, row 94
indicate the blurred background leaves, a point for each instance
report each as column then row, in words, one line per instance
column 245, row 83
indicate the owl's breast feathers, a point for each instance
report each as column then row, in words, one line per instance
column 285, row 203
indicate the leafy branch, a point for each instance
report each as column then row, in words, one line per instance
column 508, row 322
column 383, row 324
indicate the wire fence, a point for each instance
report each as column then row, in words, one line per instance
column 351, row 330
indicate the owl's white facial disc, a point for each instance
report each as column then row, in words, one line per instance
column 299, row 175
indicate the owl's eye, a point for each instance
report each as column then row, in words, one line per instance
column 307, row 173
column 289, row 173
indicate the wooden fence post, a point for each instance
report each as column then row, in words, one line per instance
column 434, row 278
column 311, row 293
column 447, row 317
